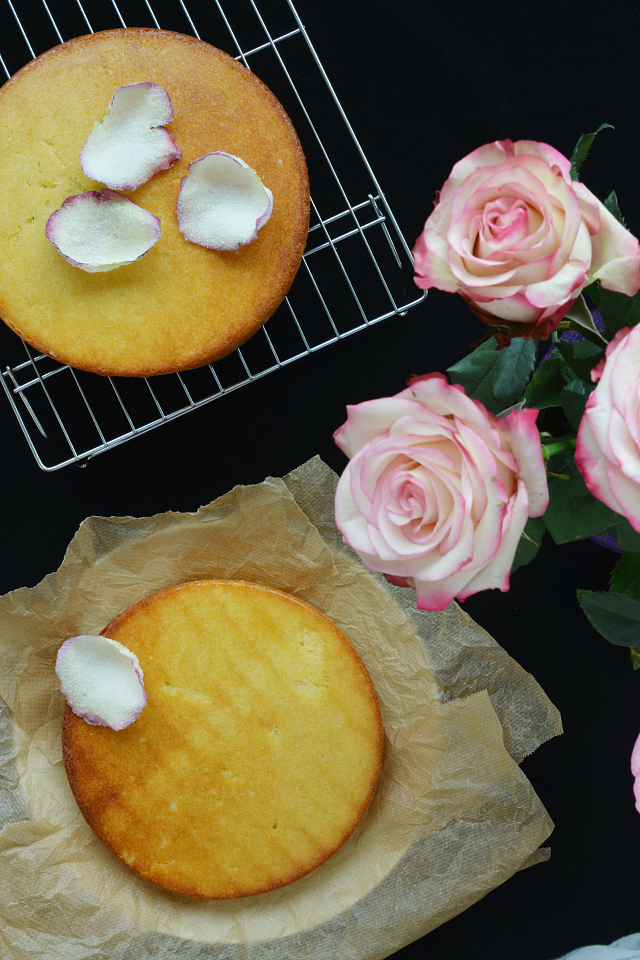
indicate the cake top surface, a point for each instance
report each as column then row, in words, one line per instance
column 256, row 755
column 181, row 305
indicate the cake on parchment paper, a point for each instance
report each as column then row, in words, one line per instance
column 258, row 751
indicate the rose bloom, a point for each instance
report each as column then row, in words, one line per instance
column 518, row 239
column 438, row 490
column 608, row 446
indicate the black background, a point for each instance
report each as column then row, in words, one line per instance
column 423, row 84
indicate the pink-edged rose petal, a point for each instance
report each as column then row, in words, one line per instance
column 130, row 144
column 100, row 231
column 222, row 203
column 635, row 770
column 608, row 444
column 101, row 680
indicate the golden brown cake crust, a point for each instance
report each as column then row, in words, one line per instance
column 181, row 305
column 256, row 756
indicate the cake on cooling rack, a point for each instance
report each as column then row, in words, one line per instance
column 256, row 755
column 181, row 305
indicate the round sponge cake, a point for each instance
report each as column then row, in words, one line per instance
column 256, row 755
column 181, row 305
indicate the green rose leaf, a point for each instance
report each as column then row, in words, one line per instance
column 618, row 311
column 574, row 398
column 513, row 370
column 625, row 577
column 626, row 536
column 580, row 357
column 580, row 319
column 529, row 542
column 574, row 513
column 476, row 373
column 496, row 378
column 594, row 292
column 614, row 615
column 585, row 349
column 546, row 385
column 582, row 148
column 624, row 581
column 611, row 203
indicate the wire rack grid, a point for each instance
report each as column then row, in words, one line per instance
column 356, row 270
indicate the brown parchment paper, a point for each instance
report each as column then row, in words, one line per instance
column 453, row 815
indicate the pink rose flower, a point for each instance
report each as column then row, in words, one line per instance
column 635, row 770
column 608, row 445
column 438, row 490
column 518, row 239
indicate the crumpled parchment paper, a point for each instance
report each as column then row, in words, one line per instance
column 453, row 815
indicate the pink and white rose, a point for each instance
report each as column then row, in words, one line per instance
column 608, row 445
column 519, row 240
column 438, row 490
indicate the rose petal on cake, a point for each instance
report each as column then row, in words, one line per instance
column 222, row 203
column 130, row 144
column 101, row 680
column 102, row 230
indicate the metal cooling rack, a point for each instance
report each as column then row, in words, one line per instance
column 356, row 270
